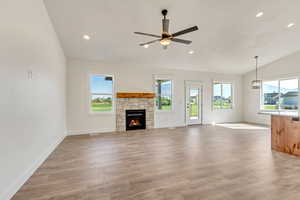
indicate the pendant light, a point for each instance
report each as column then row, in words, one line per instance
column 256, row 83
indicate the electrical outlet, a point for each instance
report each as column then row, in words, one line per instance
column 29, row 74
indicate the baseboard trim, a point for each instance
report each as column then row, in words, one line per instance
column 86, row 132
column 259, row 124
column 16, row 186
column 173, row 126
column 110, row 130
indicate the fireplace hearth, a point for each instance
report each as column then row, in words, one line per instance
column 135, row 119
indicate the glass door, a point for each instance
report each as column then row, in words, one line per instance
column 193, row 103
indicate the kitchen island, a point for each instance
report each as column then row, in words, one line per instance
column 285, row 134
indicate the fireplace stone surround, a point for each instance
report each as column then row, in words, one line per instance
column 134, row 101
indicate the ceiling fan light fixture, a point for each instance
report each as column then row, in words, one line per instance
column 166, row 37
column 165, row 41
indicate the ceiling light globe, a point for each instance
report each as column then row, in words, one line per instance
column 165, row 42
column 259, row 14
column 290, row 25
column 86, row 37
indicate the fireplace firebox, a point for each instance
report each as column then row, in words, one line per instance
column 135, row 119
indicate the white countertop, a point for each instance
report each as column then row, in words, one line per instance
column 281, row 113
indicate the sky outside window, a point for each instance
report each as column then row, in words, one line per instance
column 289, row 85
column 101, row 84
column 166, row 88
column 217, row 89
column 226, row 90
column 271, row 86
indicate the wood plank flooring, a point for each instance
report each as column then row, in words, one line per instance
column 198, row 162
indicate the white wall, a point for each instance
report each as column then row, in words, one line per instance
column 287, row 67
column 32, row 111
column 140, row 79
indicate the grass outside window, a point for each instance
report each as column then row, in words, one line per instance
column 101, row 94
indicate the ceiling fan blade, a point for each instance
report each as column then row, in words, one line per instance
column 149, row 42
column 181, row 41
column 165, row 25
column 148, row 34
column 188, row 30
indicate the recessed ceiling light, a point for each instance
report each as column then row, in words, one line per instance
column 290, row 25
column 86, row 37
column 259, row 14
column 191, row 52
column 146, row 46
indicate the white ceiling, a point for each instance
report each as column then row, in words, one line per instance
column 229, row 33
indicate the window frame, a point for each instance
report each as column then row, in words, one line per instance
column 172, row 92
column 278, row 110
column 90, row 94
column 232, row 95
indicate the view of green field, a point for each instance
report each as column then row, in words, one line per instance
column 166, row 107
column 270, row 107
column 194, row 110
column 223, row 105
column 101, row 107
column 165, row 104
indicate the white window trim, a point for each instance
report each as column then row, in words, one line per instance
column 164, row 77
column 232, row 94
column 90, row 95
column 279, row 110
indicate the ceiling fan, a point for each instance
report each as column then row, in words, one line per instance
column 165, row 38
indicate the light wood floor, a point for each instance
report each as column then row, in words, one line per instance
column 185, row 163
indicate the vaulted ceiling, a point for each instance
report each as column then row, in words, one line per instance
column 229, row 35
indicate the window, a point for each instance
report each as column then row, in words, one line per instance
column 101, row 93
column 280, row 95
column 222, row 95
column 163, row 90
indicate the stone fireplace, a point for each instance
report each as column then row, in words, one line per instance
column 131, row 108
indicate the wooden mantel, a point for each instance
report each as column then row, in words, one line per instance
column 135, row 95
